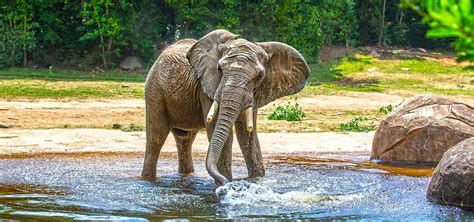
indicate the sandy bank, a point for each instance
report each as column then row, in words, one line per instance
column 100, row 140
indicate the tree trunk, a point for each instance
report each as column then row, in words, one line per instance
column 186, row 29
column 102, row 46
column 104, row 59
column 12, row 59
column 382, row 23
column 24, row 44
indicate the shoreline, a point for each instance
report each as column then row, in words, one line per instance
column 17, row 141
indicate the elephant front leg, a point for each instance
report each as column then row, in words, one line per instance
column 250, row 146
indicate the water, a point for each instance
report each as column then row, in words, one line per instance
column 106, row 187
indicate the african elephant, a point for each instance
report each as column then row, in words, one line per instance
column 213, row 83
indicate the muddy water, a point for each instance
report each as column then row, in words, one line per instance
column 106, row 187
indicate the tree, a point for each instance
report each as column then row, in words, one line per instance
column 449, row 18
column 190, row 17
column 104, row 22
column 16, row 32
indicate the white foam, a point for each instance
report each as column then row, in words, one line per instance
column 246, row 193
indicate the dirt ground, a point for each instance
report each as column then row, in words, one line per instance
column 102, row 140
column 85, row 126
column 46, row 114
column 324, row 112
column 45, row 126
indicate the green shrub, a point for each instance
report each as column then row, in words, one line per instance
column 448, row 19
column 387, row 109
column 288, row 112
column 354, row 125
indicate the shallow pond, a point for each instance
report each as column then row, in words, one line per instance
column 106, row 187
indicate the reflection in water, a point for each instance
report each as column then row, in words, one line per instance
column 106, row 187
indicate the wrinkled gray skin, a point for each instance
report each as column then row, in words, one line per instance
column 189, row 75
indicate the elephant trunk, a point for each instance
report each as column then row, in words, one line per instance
column 229, row 109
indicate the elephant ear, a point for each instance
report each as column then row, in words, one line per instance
column 286, row 73
column 204, row 56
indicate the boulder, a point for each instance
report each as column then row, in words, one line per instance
column 452, row 182
column 421, row 129
column 131, row 63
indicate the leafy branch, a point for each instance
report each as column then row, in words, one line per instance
column 448, row 19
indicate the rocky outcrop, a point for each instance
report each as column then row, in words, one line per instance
column 421, row 130
column 452, row 182
column 131, row 63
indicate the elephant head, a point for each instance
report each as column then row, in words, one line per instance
column 239, row 76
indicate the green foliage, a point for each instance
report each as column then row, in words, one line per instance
column 146, row 25
column 82, row 35
column 387, row 109
column 339, row 23
column 288, row 112
column 449, row 19
column 103, row 22
column 16, row 32
column 355, row 125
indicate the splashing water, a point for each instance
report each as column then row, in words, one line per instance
column 245, row 193
column 95, row 187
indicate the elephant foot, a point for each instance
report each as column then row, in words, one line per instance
column 186, row 170
column 260, row 172
column 148, row 174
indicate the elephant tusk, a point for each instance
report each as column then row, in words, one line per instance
column 212, row 112
column 249, row 119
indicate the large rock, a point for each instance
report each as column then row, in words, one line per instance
column 421, row 130
column 453, row 179
column 131, row 63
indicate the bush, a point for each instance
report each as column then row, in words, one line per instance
column 288, row 112
column 387, row 109
column 354, row 125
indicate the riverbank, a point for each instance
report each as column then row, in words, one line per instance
column 23, row 141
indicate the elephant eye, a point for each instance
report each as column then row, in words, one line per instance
column 259, row 76
column 219, row 69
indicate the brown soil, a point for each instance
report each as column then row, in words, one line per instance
column 101, row 140
column 47, row 114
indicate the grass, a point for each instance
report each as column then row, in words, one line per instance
column 358, row 73
column 361, row 73
column 70, row 75
column 37, row 89
column 60, row 84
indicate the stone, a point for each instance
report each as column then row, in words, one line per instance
column 452, row 182
column 128, row 127
column 421, row 129
column 131, row 63
column 5, row 125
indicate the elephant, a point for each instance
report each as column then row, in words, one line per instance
column 216, row 82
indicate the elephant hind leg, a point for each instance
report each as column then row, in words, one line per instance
column 157, row 129
column 184, row 141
